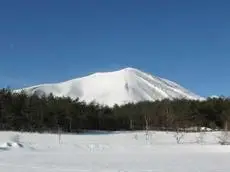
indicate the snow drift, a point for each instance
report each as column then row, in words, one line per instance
column 118, row 87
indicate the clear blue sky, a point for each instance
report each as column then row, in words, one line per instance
column 56, row 40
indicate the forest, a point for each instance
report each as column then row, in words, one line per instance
column 22, row 112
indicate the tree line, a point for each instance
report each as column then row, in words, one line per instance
column 22, row 112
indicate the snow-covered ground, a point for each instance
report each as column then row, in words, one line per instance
column 113, row 152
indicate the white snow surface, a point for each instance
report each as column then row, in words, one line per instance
column 128, row 85
column 114, row 152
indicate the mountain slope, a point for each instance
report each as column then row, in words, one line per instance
column 119, row 87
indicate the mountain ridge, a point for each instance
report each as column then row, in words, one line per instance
column 128, row 85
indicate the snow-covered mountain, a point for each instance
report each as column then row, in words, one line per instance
column 118, row 87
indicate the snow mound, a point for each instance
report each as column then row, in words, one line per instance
column 13, row 143
column 10, row 145
column 128, row 85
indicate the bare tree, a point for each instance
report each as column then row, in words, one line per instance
column 200, row 138
column 16, row 139
column 136, row 137
column 131, row 124
column 224, row 137
column 59, row 135
column 179, row 135
column 146, row 128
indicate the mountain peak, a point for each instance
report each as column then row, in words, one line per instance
column 130, row 69
column 117, row 87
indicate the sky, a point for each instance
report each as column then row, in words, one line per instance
column 49, row 41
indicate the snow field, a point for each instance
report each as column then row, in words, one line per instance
column 114, row 152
